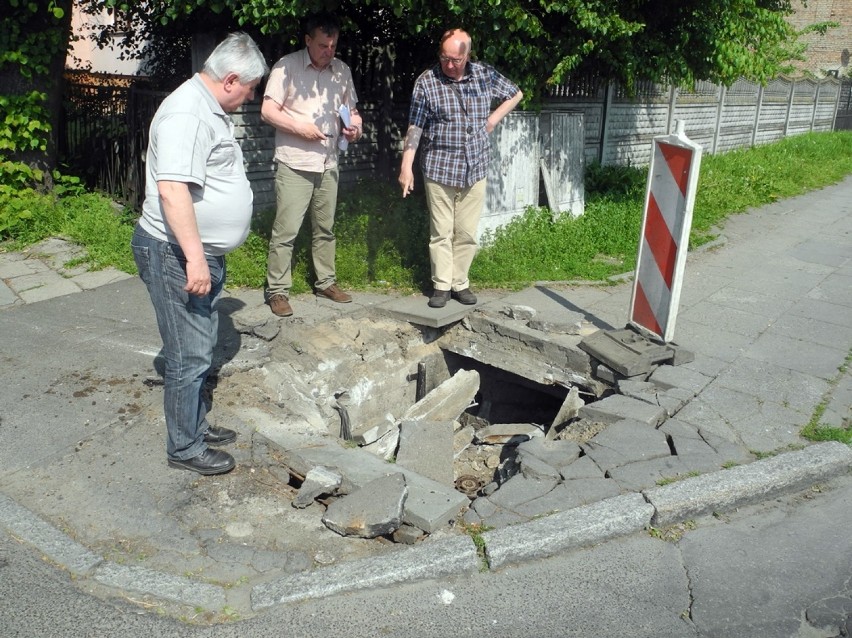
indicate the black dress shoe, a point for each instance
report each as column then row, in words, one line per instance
column 219, row 436
column 439, row 298
column 465, row 297
column 208, row 462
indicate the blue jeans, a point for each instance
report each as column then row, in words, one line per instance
column 189, row 328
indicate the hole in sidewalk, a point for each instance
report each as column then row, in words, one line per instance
column 512, row 408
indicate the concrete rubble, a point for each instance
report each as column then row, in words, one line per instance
column 375, row 509
column 423, row 465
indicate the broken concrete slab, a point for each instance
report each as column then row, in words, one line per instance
column 426, row 447
column 520, row 489
column 683, row 445
column 626, row 442
column 671, row 400
column 579, row 327
column 375, row 509
column 448, row 400
column 514, row 347
column 556, row 454
column 519, row 312
column 610, row 376
column 534, row 468
column 367, row 434
column 483, row 507
column 385, row 448
column 498, row 518
column 559, row 499
column 617, row 407
column 318, row 481
column 641, row 475
column 365, row 366
column 702, row 463
column 626, row 351
column 583, row 468
column 408, row 534
column 569, row 410
column 732, row 452
column 667, row 377
column 429, row 506
column 682, row 435
column 591, row 490
column 507, row 433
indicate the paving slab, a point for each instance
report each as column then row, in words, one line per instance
column 7, row 295
column 626, row 442
column 426, row 447
column 618, row 407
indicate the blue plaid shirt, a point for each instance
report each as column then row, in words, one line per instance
column 454, row 146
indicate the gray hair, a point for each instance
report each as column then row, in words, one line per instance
column 239, row 54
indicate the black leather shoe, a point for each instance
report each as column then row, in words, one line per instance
column 219, row 436
column 209, row 462
column 439, row 298
column 465, row 297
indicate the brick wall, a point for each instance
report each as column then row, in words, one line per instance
column 832, row 51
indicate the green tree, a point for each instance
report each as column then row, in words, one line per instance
column 34, row 37
column 540, row 42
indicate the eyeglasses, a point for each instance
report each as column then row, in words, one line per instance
column 454, row 61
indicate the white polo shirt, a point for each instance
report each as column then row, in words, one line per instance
column 192, row 140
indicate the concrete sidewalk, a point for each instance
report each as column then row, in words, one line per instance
column 767, row 310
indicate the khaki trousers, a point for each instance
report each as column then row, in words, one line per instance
column 296, row 193
column 453, row 220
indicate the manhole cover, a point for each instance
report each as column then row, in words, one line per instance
column 468, row 484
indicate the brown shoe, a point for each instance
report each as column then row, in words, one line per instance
column 335, row 294
column 279, row 305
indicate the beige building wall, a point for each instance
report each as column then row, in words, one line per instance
column 86, row 56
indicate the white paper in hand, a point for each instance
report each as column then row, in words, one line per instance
column 345, row 117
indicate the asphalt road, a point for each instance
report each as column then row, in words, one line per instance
column 780, row 569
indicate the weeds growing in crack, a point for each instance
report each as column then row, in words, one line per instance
column 672, row 533
column 475, row 532
column 674, row 479
column 816, row 430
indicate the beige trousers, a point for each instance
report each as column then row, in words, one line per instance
column 453, row 220
column 297, row 193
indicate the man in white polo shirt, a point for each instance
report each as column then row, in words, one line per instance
column 197, row 208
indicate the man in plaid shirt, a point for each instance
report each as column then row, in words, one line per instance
column 451, row 113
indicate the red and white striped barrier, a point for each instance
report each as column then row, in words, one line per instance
column 672, row 182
